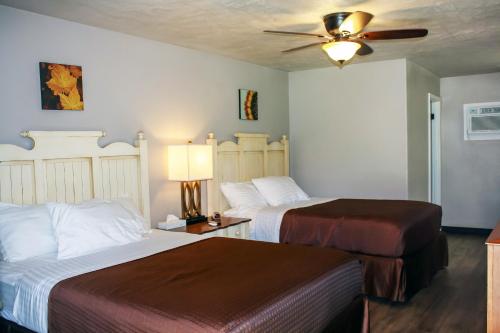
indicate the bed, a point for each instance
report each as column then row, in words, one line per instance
column 399, row 241
column 165, row 282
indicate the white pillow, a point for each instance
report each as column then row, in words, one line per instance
column 279, row 190
column 25, row 232
column 94, row 225
column 242, row 195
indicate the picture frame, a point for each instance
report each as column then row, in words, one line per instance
column 61, row 86
column 249, row 109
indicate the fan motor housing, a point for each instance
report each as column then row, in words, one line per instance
column 333, row 21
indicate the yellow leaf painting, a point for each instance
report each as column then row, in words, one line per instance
column 61, row 87
column 71, row 101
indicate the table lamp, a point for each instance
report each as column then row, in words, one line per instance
column 190, row 164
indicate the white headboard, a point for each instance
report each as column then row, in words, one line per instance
column 250, row 157
column 69, row 166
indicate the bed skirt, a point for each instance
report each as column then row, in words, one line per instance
column 398, row 279
column 355, row 318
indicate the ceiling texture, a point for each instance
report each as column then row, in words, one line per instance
column 464, row 35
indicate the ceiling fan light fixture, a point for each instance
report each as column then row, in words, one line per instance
column 341, row 51
column 346, row 38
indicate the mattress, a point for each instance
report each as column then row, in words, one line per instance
column 420, row 224
column 10, row 274
column 388, row 228
column 27, row 284
column 7, row 296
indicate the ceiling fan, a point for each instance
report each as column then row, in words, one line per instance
column 346, row 38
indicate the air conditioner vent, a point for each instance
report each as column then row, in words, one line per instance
column 485, row 123
column 482, row 121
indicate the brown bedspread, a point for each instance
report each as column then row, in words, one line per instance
column 214, row 285
column 391, row 228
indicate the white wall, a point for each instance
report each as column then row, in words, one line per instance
column 348, row 130
column 470, row 169
column 131, row 84
column 419, row 82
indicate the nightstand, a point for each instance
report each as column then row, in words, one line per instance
column 232, row 227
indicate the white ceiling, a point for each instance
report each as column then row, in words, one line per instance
column 464, row 35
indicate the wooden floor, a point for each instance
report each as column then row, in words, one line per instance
column 455, row 302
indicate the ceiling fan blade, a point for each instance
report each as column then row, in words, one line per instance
column 302, row 47
column 355, row 22
column 364, row 49
column 296, row 33
column 394, row 34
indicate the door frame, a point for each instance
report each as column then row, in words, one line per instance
column 434, row 104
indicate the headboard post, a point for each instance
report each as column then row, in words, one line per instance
column 286, row 155
column 142, row 144
column 250, row 157
column 213, row 184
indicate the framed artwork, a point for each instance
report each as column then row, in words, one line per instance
column 61, row 86
column 248, row 105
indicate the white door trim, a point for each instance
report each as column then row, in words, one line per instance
column 434, row 104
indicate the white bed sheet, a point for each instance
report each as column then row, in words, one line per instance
column 7, row 295
column 25, row 286
column 266, row 221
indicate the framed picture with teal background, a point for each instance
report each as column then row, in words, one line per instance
column 248, row 105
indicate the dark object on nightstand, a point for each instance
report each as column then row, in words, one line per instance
column 196, row 219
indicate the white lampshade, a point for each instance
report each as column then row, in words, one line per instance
column 190, row 162
column 341, row 51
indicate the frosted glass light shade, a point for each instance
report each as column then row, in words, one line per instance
column 341, row 51
column 190, row 162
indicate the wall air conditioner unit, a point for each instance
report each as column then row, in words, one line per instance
column 482, row 121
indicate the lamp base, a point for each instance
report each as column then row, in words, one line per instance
column 191, row 202
column 196, row 219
